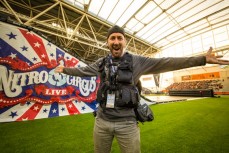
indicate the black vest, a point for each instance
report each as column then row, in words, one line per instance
column 118, row 78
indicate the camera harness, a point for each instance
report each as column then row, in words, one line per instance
column 117, row 87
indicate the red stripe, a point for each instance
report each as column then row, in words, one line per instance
column 72, row 108
column 32, row 39
column 31, row 113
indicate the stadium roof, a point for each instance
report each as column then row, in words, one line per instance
column 80, row 26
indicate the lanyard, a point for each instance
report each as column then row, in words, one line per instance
column 112, row 66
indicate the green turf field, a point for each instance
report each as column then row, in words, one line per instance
column 198, row 126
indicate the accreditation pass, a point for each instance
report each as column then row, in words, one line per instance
column 110, row 100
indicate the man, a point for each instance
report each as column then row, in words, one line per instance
column 119, row 73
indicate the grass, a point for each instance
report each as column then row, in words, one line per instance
column 198, row 126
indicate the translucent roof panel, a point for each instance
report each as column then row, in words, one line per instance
column 164, row 23
column 119, row 10
column 131, row 10
column 115, row 11
column 95, row 6
column 107, row 8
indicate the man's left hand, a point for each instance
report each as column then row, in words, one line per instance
column 211, row 59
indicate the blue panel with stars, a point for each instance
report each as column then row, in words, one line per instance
column 93, row 105
column 54, row 110
column 8, row 51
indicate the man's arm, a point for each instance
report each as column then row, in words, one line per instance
column 148, row 65
column 90, row 70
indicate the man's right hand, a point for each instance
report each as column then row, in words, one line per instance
column 59, row 69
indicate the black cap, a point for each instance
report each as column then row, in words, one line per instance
column 115, row 29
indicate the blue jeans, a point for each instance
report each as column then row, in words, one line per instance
column 127, row 134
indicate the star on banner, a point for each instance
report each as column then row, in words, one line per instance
column 11, row 36
column 13, row 114
column 25, row 119
column 13, row 55
column 70, row 105
column 54, row 111
column 45, row 110
column 35, row 108
column 24, row 48
column 43, row 55
column 29, row 33
column 37, row 44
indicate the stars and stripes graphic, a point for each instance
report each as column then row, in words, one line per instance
column 29, row 88
column 31, row 110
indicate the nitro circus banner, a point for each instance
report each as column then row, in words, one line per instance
column 29, row 88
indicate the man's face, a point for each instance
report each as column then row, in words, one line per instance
column 116, row 44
